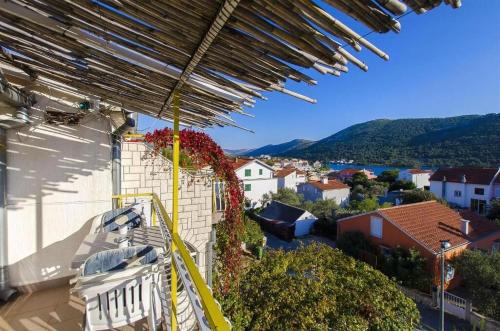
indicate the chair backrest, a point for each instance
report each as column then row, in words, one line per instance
column 108, row 218
column 119, row 302
column 114, row 260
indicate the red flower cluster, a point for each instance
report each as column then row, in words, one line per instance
column 204, row 151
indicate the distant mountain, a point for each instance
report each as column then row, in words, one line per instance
column 454, row 141
column 294, row 145
column 237, row 152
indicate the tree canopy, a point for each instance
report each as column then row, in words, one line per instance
column 481, row 275
column 317, row 288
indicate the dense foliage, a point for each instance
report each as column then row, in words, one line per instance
column 402, row 185
column 481, row 275
column 413, row 142
column 415, row 196
column 319, row 288
column 252, row 233
column 408, row 267
column 354, row 243
column 388, row 176
column 494, row 213
column 202, row 150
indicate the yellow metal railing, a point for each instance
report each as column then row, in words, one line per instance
column 210, row 307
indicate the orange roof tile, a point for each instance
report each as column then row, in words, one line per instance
column 284, row 172
column 429, row 222
column 239, row 162
column 331, row 185
column 419, row 171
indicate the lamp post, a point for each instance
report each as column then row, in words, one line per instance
column 445, row 244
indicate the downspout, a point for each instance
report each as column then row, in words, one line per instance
column 5, row 290
column 116, row 156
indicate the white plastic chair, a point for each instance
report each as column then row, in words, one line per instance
column 118, row 298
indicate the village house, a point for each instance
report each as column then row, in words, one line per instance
column 287, row 178
column 325, row 189
column 421, row 226
column 419, row 177
column 471, row 188
column 286, row 221
column 257, row 179
column 346, row 174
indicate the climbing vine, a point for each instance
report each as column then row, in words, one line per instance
column 204, row 151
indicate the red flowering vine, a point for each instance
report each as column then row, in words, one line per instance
column 203, row 150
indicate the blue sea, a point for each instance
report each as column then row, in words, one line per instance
column 377, row 169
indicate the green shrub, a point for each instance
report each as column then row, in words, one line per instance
column 253, row 234
column 353, row 243
column 408, row 267
column 318, row 288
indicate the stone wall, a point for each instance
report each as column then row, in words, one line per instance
column 143, row 173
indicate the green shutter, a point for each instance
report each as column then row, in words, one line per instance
column 248, row 172
column 260, row 171
column 248, row 187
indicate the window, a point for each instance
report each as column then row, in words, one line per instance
column 248, row 172
column 220, row 200
column 479, row 206
column 376, row 227
column 457, row 194
column 479, row 191
column 261, row 171
column 385, row 251
column 248, row 187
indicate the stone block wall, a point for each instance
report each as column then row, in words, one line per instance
column 143, row 173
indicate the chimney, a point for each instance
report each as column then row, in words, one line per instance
column 464, row 179
column 464, row 227
column 324, row 180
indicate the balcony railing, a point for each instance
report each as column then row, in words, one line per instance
column 197, row 300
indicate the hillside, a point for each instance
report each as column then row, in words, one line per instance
column 454, row 141
column 295, row 145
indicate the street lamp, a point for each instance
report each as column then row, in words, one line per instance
column 445, row 244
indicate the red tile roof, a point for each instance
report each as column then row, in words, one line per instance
column 331, row 185
column 284, row 172
column 348, row 171
column 239, row 162
column 429, row 222
column 482, row 176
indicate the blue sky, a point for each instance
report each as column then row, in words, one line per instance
column 443, row 63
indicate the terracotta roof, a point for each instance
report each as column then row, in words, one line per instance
column 419, row 171
column 239, row 162
column 349, row 171
column 284, row 172
column 482, row 176
column 331, row 185
column 300, row 172
column 429, row 222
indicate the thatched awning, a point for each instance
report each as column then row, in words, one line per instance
column 219, row 55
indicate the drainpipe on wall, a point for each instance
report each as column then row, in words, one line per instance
column 116, row 156
column 5, row 290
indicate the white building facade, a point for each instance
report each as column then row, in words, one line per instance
column 326, row 190
column 287, row 178
column 418, row 177
column 257, row 179
column 471, row 188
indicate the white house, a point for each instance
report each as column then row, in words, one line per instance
column 287, row 178
column 325, row 189
column 472, row 188
column 418, row 177
column 257, row 178
column 287, row 221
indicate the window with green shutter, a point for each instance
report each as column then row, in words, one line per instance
column 248, row 187
column 260, row 171
column 248, row 172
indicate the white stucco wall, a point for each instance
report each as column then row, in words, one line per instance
column 259, row 187
column 289, row 181
column 58, row 179
column 254, row 166
column 420, row 180
column 304, row 224
column 467, row 192
column 310, row 192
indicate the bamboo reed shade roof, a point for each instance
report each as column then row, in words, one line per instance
column 219, row 55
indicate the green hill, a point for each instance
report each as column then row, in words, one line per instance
column 295, row 145
column 471, row 140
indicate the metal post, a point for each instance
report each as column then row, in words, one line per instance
column 445, row 244
column 175, row 208
column 116, row 168
column 5, row 290
column 441, row 302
